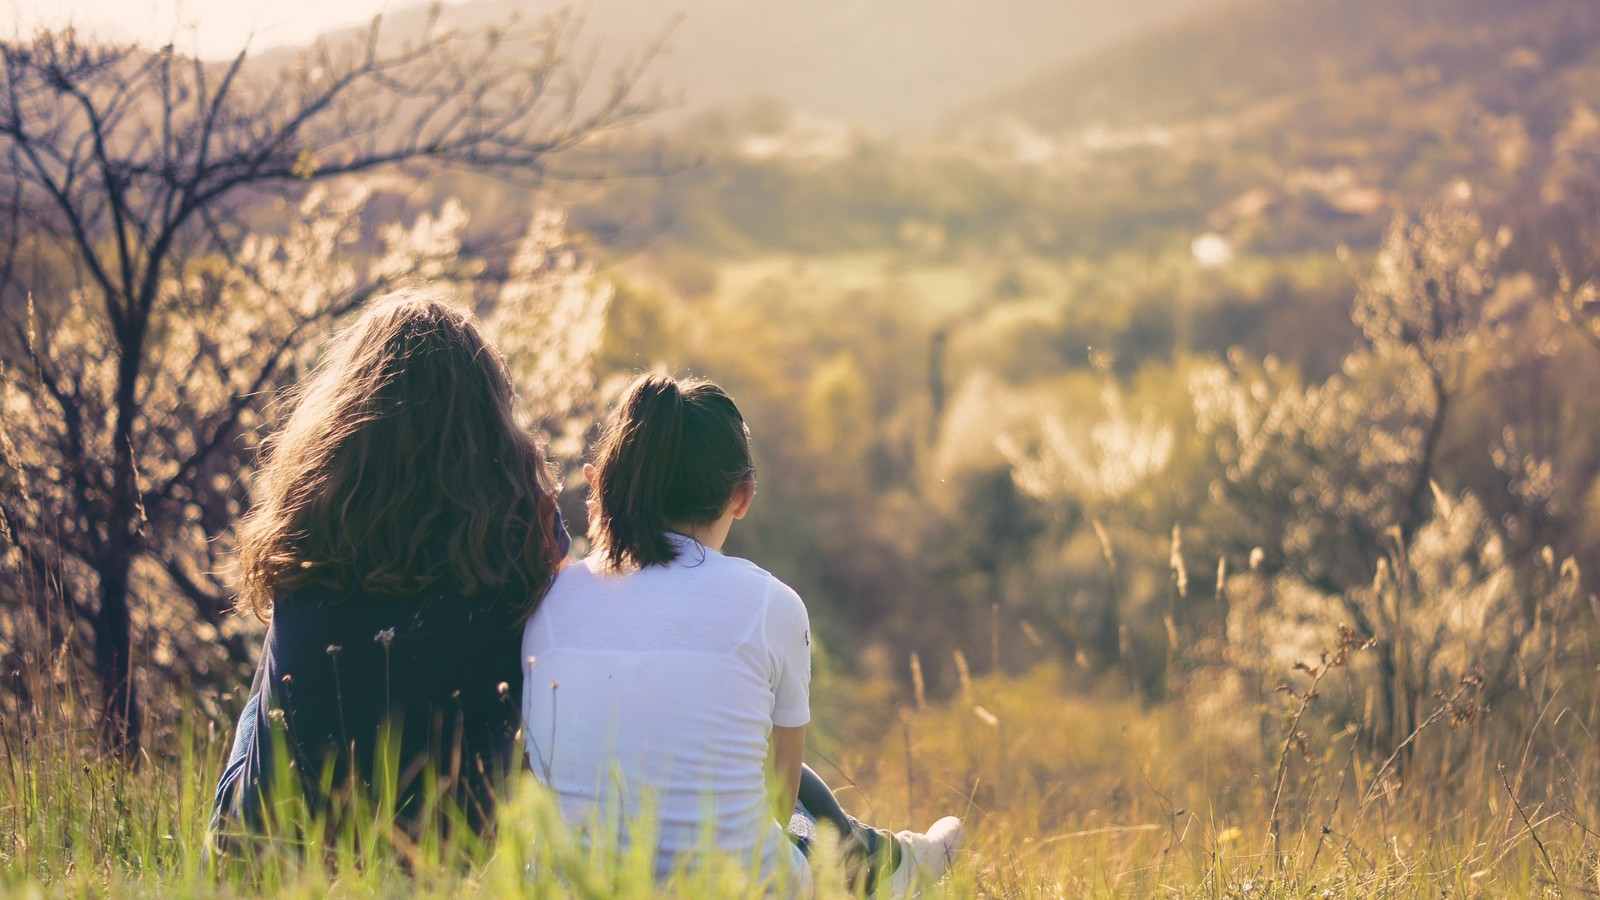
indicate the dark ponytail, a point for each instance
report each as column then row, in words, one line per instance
column 672, row 454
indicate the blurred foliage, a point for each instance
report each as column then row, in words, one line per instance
column 228, row 340
column 1150, row 464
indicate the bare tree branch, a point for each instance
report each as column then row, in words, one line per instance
column 136, row 177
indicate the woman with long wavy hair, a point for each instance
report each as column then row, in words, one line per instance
column 403, row 530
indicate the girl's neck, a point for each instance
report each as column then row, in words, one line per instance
column 711, row 535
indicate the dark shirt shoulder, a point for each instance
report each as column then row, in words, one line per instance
column 438, row 673
column 345, row 665
column 433, row 682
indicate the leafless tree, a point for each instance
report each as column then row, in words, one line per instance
column 151, row 299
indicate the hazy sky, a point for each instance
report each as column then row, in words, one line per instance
column 214, row 27
column 893, row 64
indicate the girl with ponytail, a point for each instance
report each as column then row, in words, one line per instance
column 660, row 666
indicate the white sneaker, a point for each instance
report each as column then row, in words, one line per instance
column 924, row 858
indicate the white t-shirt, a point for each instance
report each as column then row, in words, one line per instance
column 665, row 683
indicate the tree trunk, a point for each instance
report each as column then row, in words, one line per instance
column 120, row 719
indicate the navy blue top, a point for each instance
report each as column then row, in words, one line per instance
column 441, row 670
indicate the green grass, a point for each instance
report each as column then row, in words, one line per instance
column 1066, row 794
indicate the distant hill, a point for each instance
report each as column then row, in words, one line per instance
column 888, row 64
column 1265, row 127
column 1226, row 59
column 1291, row 125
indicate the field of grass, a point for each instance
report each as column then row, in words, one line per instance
column 1066, row 793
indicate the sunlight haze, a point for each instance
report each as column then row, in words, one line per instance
column 214, row 28
column 888, row 64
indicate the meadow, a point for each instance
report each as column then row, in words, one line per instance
column 1064, row 796
column 1066, row 793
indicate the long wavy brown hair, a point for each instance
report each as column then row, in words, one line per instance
column 402, row 470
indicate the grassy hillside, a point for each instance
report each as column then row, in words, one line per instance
column 1224, row 60
column 1284, row 127
column 1064, row 795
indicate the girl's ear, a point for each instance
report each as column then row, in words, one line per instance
column 742, row 497
column 588, row 475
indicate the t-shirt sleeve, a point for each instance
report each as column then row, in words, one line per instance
column 788, row 632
